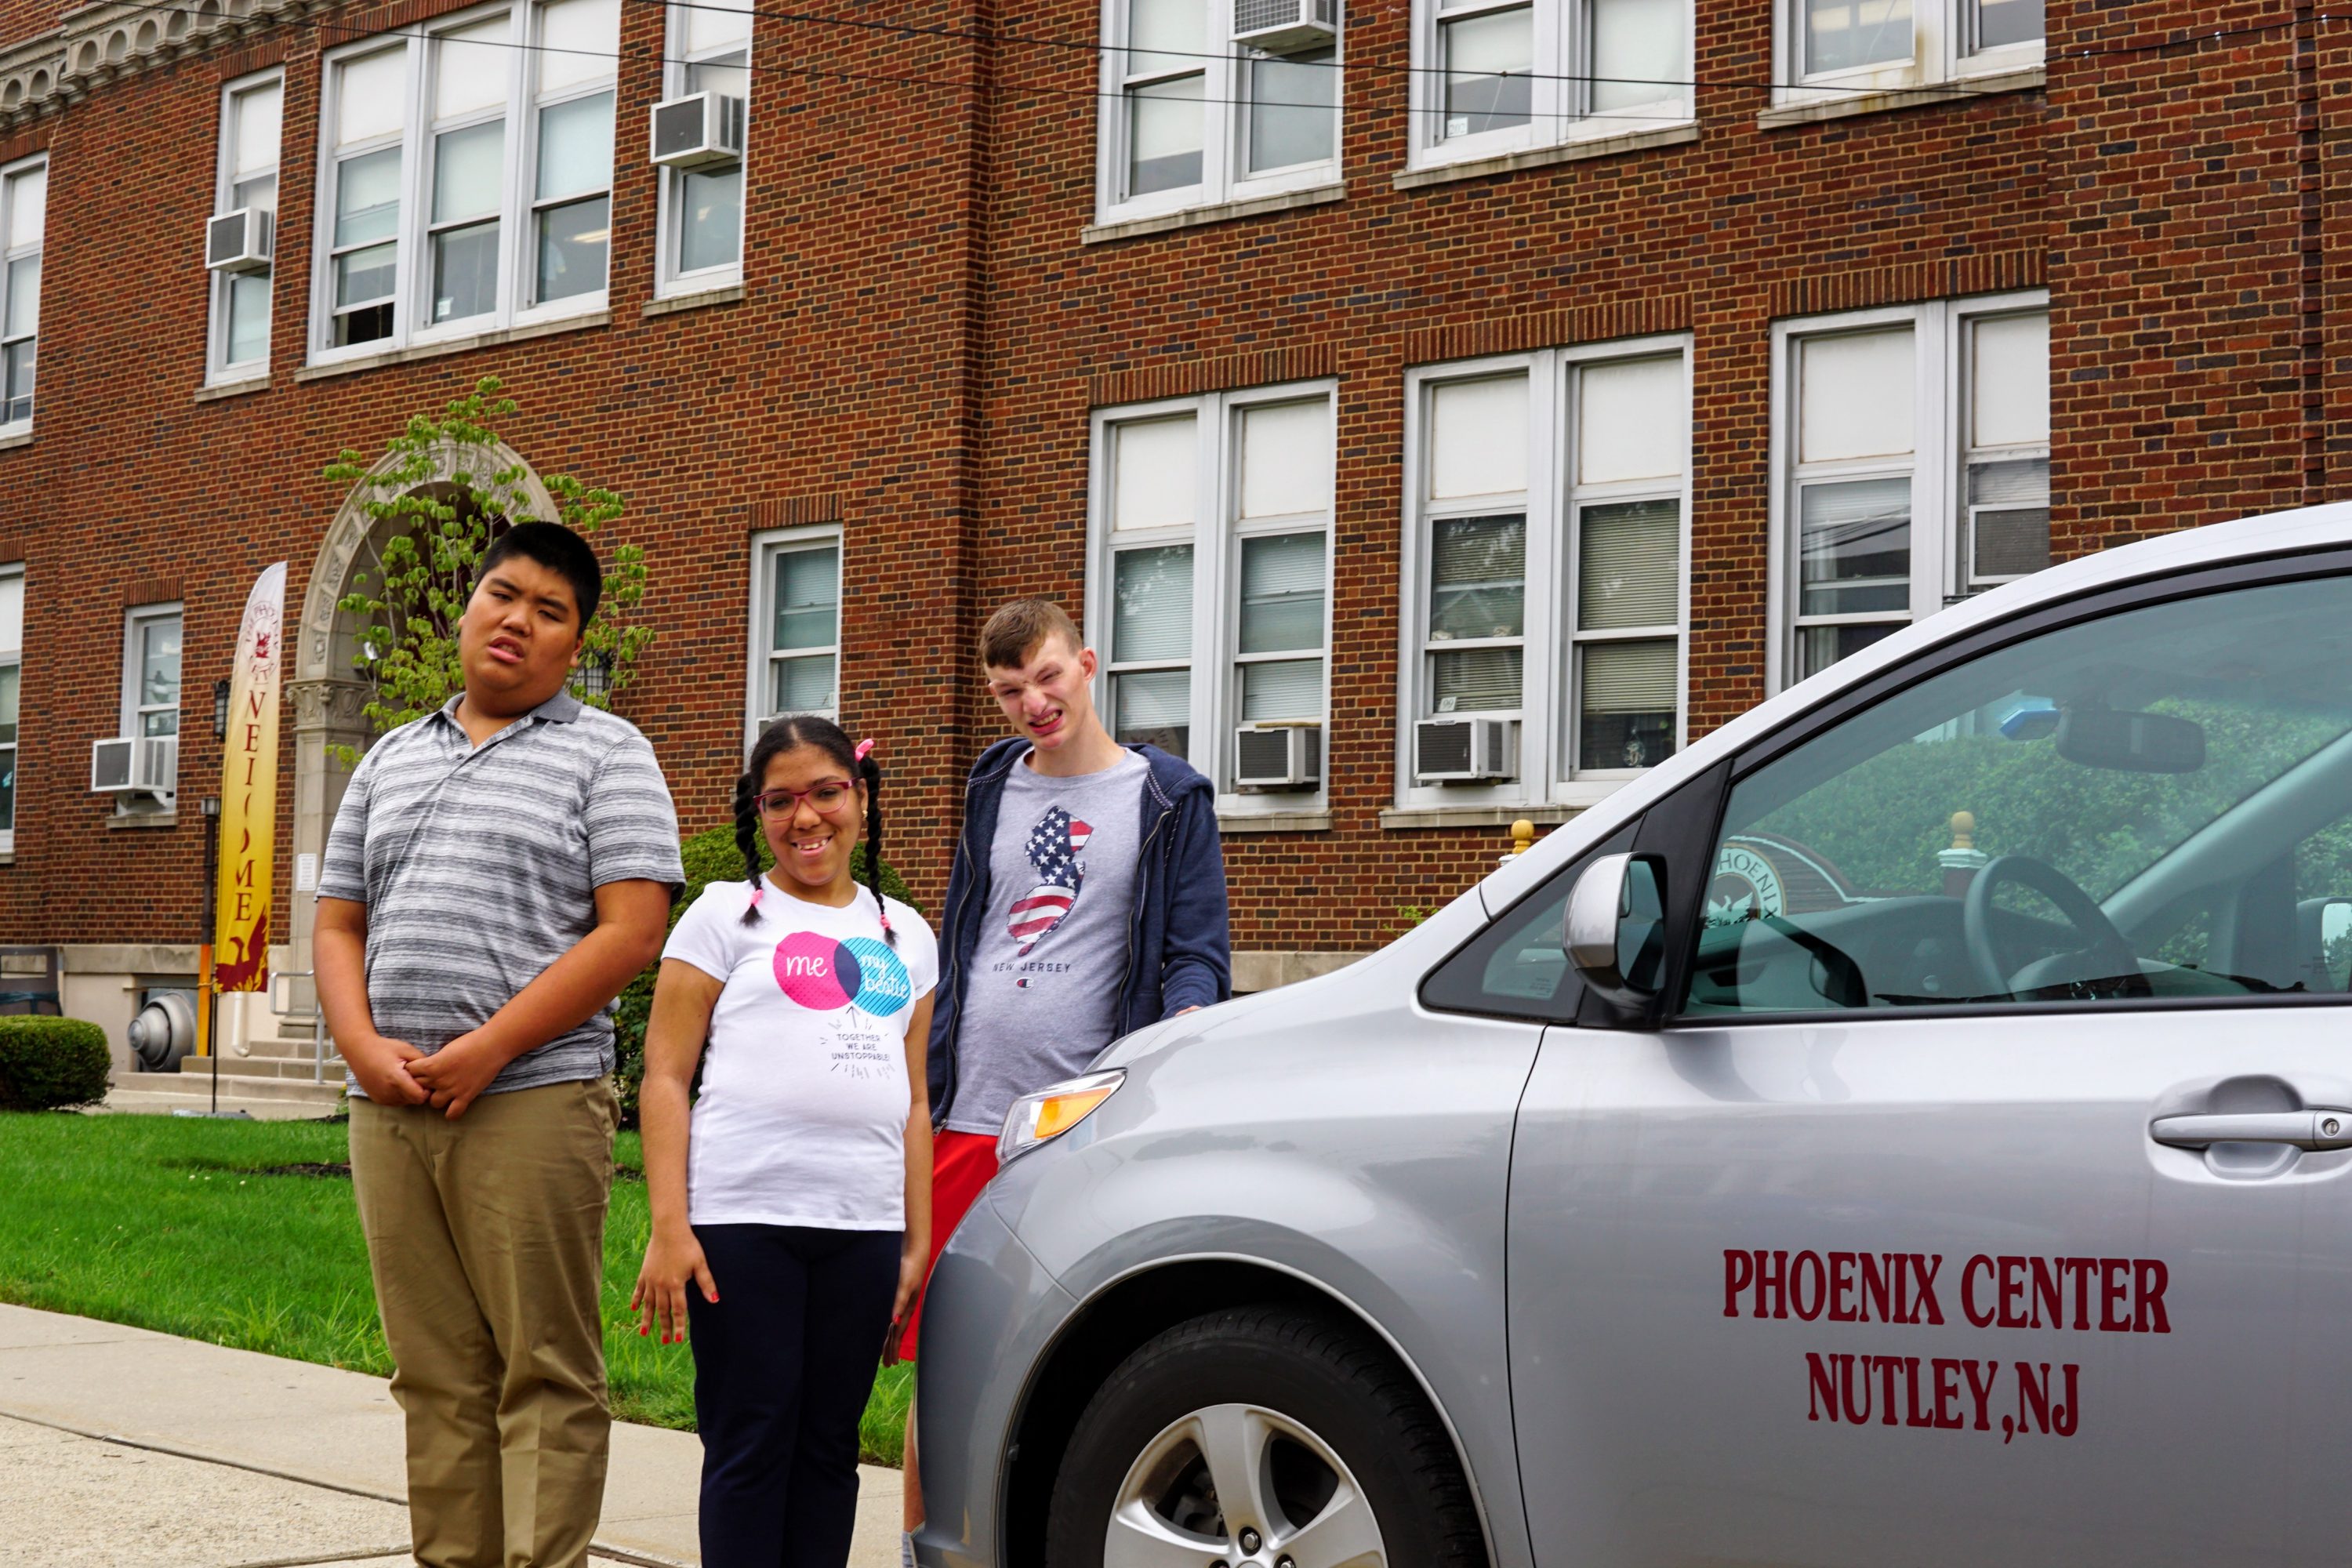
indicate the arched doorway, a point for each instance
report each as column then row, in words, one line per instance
column 327, row 694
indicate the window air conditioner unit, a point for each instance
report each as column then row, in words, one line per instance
column 1464, row 751
column 699, row 129
column 1278, row 756
column 1286, row 26
column 135, row 764
column 241, row 241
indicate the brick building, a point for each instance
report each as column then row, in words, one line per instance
column 1505, row 389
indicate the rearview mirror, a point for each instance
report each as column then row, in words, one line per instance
column 2131, row 742
column 1616, row 931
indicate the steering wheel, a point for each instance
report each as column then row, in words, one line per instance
column 2111, row 955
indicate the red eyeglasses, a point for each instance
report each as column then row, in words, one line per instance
column 827, row 797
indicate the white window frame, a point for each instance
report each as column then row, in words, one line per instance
column 134, row 620
column 1224, row 91
column 13, row 658
column 518, row 240
column 15, row 247
column 1560, row 113
column 670, row 280
column 1937, row 464
column 1215, row 535
column 1546, row 714
column 1941, row 52
column 766, row 546
column 219, row 369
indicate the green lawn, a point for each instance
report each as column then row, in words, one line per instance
column 170, row 1222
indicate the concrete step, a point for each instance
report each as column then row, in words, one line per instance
column 193, row 1098
column 261, row 1066
column 257, row 1081
column 274, row 1057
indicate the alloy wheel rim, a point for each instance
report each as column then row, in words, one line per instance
column 1241, row 1485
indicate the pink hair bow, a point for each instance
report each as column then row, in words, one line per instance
column 863, row 747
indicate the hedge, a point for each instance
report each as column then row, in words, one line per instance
column 51, row 1063
column 710, row 857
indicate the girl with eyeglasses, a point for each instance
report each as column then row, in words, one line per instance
column 792, row 1203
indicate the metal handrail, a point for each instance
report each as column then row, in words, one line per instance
column 317, row 1017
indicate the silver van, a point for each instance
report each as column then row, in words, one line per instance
column 1907, row 1126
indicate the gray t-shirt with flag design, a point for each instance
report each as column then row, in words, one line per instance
column 1043, row 983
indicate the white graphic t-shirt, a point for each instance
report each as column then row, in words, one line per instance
column 803, row 1114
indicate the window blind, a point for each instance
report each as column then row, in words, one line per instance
column 1286, row 458
column 1474, row 680
column 1151, row 700
column 255, row 130
column 716, row 24
column 2008, row 519
column 1477, row 577
column 1856, row 397
column 1151, row 616
column 2011, row 380
column 1629, row 564
column 808, row 598
column 1282, row 688
column 1281, row 593
column 371, row 93
column 803, row 685
column 1633, row 421
column 577, row 41
column 1178, row 26
column 1153, row 469
column 1478, row 437
column 470, row 68
column 1638, row 52
column 1628, row 677
column 1856, row 546
column 11, row 615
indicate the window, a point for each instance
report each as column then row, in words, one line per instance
column 1497, row 77
column 470, row 174
column 2154, row 811
column 1868, row 45
column 24, row 203
column 150, row 670
column 1544, row 584
column 248, row 178
column 702, row 209
column 11, row 659
column 1211, row 596
column 1193, row 119
column 796, row 624
column 1915, row 457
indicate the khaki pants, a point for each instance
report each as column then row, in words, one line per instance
column 486, row 1236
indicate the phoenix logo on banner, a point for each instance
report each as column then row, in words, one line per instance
column 1052, row 847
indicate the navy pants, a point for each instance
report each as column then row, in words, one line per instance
column 782, row 1364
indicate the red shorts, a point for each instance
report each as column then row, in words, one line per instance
column 961, row 1164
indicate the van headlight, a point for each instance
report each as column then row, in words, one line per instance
column 1042, row 1116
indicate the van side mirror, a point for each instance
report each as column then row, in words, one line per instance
column 1616, row 928
column 2324, row 944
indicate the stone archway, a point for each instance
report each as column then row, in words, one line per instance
column 327, row 698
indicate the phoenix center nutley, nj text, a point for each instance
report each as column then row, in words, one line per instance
column 2101, row 1295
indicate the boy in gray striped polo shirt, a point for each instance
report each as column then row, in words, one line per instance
column 497, row 872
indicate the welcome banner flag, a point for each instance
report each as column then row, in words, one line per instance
column 249, row 825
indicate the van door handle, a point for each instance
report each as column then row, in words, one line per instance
column 2310, row 1130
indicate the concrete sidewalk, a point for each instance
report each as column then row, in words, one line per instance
column 123, row 1448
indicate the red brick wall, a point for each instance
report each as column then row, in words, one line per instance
column 924, row 335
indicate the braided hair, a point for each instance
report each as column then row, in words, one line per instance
column 788, row 734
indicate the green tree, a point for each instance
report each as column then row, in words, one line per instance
column 436, row 530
